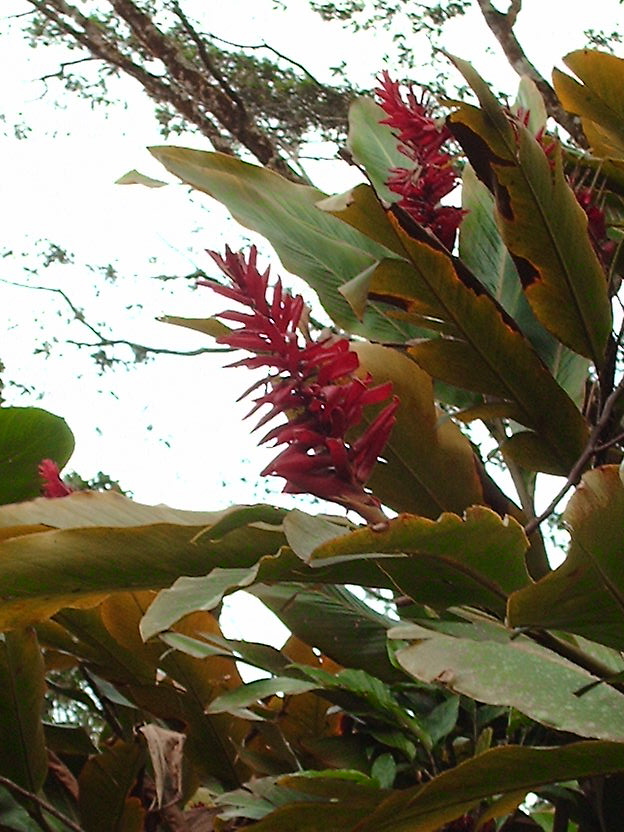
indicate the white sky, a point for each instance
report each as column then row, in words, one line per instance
column 168, row 430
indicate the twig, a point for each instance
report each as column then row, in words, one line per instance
column 264, row 45
column 579, row 466
column 47, row 807
column 102, row 340
column 64, row 64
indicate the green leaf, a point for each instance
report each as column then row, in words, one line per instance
column 477, row 561
column 492, row 666
column 253, row 692
column 482, row 249
column 310, row 243
column 67, row 566
column 599, row 98
column 428, row 470
column 529, row 100
column 133, row 177
column 373, row 145
column 334, row 621
column 499, row 771
column 207, row 326
column 105, row 783
column 28, row 435
column 585, row 595
column 23, row 755
column 542, row 223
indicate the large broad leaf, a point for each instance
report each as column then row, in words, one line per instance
column 598, row 100
column 105, row 784
column 190, row 594
column 585, row 595
column 48, row 570
column 490, row 664
column 477, row 561
column 500, row 771
column 374, row 146
column 428, row 470
column 308, row 241
column 541, row 221
column 482, row 249
column 27, row 436
column 23, row 755
column 483, row 349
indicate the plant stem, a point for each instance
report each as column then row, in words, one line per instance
column 47, row 807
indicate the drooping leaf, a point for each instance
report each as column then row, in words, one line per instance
column 373, row 145
column 482, row 249
column 498, row 771
column 541, row 221
column 309, row 242
column 67, row 566
column 27, row 436
column 492, row 666
column 23, row 755
column 189, row 594
column 477, row 561
column 585, row 595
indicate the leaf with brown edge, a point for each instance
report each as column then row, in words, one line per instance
column 544, row 227
column 476, row 561
column 585, row 595
column 484, row 350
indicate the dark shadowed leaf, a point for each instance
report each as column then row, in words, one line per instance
column 23, row 755
column 105, row 784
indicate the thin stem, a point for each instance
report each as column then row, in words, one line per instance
column 579, row 466
column 47, row 807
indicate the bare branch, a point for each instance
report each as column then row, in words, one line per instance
column 593, row 446
column 140, row 350
column 192, row 93
column 501, row 25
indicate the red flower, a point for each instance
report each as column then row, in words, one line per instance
column 53, row 486
column 431, row 176
column 312, row 383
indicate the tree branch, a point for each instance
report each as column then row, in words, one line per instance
column 47, row 807
column 501, row 24
column 141, row 351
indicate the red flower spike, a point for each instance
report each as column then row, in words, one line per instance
column 432, row 175
column 52, row 484
column 312, row 384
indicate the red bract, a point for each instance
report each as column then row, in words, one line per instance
column 313, row 385
column 432, row 175
column 52, row 484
